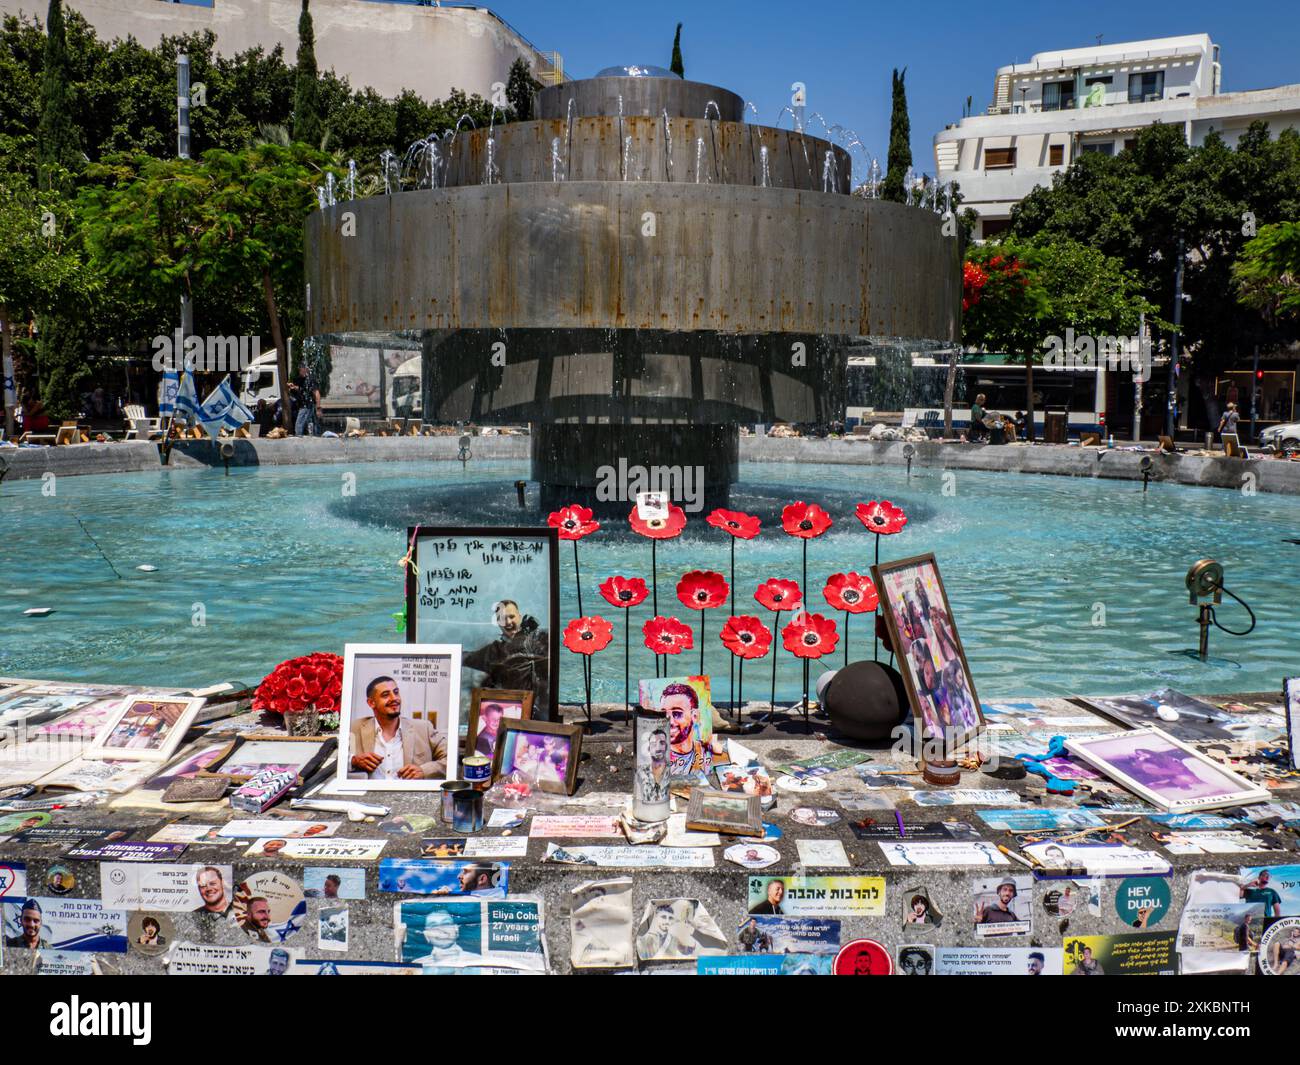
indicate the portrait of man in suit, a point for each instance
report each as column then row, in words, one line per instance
column 387, row 746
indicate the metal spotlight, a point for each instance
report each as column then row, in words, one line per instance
column 1205, row 581
column 908, row 452
column 1144, row 465
column 227, row 450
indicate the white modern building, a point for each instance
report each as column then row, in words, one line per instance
column 1046, row 112
column 387, row 46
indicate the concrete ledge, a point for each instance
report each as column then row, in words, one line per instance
column 74, row 460
column 1208, row 471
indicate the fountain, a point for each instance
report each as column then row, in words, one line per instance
column 629, row 308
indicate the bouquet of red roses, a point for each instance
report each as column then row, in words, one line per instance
column 301, row 683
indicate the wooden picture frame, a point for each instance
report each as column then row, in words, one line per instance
column 966, row 718
column 326, row 745
column 506, row 760
column 1291, row 710
column 458, row 576
column 116, row 742
column 478, row 697
column 707, row 806
column 1164, row 759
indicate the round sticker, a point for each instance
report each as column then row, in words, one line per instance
column 863, row 957
column 150, row 933
column 752, row 855
column 801, row 785
column 1061, row 901
column 270, row 906
column 815, row 816
column 60, row 879
column 1141, row 901
column 1279, row 947
column 12, row 824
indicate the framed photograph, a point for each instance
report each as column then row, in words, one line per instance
column 399, row 717
column 488, row 708
column 146, row 728
column 250, row 754
column 927, row 650
column 545, row 752
column 1156, row 767
column 1291, row 707
column 687, row 704
column 496, row 592
column 724, row 812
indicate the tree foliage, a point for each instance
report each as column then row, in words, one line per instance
column 520, row 87
column 1267, row 272
column 677, row 66
column 307, row 126
column 899, row 161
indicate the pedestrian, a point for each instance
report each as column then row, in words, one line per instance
column 309, row 392
column 1228, row 423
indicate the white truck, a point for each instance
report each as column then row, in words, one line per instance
column 375, row 383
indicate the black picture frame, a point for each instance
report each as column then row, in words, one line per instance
column 546, row 690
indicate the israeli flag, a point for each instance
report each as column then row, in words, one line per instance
column 171, row 384
column 187, row 399
column 222, row 410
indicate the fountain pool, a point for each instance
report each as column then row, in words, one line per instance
column 278, row 561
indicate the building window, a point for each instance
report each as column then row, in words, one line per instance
column 1130, row 143
column 1056, row 155
column 999, row 158
column 991, row 227
column 1144, row 87
column 1058, row 95
column 1103, row 148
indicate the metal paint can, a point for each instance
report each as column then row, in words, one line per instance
column 467, row 809
column 477, row 770
column 449, row 791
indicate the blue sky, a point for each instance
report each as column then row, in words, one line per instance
column 844, row 51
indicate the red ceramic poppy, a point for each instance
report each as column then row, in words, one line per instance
column 805, row 520
column 574, row 522
column 741, row 526
column 810, row 637
column 852, row 592
column 586, row 636
column 882, row 518
column 659, row 528
column 746, row 637
column 667, row 636
column 702, row 590
column 624, row 592
column 776, row 594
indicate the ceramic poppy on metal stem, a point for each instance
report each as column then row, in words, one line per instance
column 778, row 595
column 852, row 593
column 625, row 593
column 574, row 523
column 740, row 526
column 881, row 518
column 702, row 590
column 656, row 520
column 745, row 637
column 809, row 636
column 806, row 521
column 666, row 636
column 586, row 636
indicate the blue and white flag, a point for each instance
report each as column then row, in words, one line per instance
column 222, row 410
column 187, row 399
column 171, row 384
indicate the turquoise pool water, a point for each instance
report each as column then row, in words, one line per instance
column 283, row 563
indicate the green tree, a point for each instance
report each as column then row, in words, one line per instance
column 1267, row 272
column 677, row 66
column 307, row 125
column 56, row 136
column 520, row 87
column 900, row 143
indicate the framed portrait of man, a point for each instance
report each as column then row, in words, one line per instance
column 399, row 717
column 496, row 592
column 488, row 709
column 928, row 652
column 146, row 728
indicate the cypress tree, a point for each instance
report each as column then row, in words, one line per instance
column 307, row 125
column 677, row 67
column 900, row 144
column 56, row 135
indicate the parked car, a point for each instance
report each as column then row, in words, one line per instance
column 1285, row 437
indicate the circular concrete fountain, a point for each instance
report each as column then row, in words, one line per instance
column 637, row 273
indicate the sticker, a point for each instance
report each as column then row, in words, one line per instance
column 13, row 881
column 1141, row 901
column 652, row 506
column 164, row 888
column 916, row 960
column 752, row 855
column 814, row 816
column 801, row 785
column 21, row 822
column 270, row 906
column 863, row 957
column 325, row 883
column 824, row 852
column 817, row 896
column 332, row 928
column 150, row 933
column 60, row 879
column 1279, row 947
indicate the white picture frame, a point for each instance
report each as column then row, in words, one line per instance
column 1291, row 710
column 1114, row 754
column 120, row 738
column 362, row 663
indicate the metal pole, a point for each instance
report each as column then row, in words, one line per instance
column 1254, row 395
column 182, row 105
column 1173, row 345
